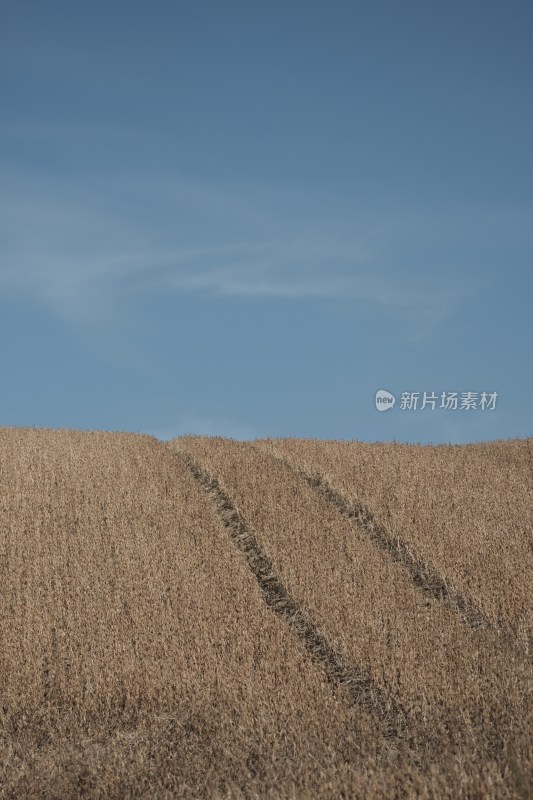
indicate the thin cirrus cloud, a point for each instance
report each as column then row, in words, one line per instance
column 280, row 272
column 74, row 285
column 77, row 258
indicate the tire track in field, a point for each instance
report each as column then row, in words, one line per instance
column 424, row 576
column 361, row 689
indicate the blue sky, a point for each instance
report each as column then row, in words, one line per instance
column 246, row 218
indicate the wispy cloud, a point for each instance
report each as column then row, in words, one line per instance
column 74, row 285
column 77, row 254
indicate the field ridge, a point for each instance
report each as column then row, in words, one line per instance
column 423, row 574
column 360, row 687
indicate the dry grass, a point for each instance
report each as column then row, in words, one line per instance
column 467, row 510
column 197, row 620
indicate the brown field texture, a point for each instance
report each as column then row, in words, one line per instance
column 282, row 618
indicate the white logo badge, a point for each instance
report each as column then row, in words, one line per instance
column 384, row 400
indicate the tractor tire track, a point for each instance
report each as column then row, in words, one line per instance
column 423, row 575
column 361, row 690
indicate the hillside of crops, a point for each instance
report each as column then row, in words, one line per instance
column 282, row 618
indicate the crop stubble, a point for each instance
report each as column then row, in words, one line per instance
column 141, row 656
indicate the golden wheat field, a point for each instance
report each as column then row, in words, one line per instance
column 282, row 618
